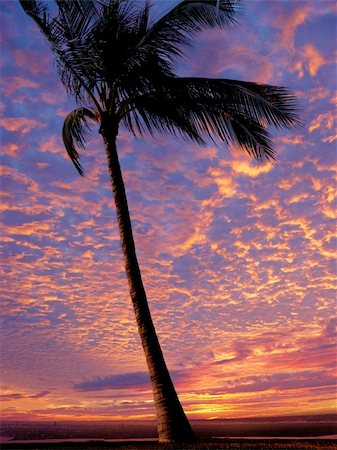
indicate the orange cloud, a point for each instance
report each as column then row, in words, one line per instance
column 225, row 184
column 21, row 124
column 323, row 122
column 313, row 59
column 330, row 139
column 11, row 149
column 290, row 24
column 247, row 168
column 309, row 59
column 298, row 197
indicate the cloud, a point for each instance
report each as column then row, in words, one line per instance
column 230, row 55
column 129, row 381
column 21, row 124
column 54, row 145
column 11, row 149
column 281, row 381
column 238, row 259
column 35, row 62
column 313, row 59
column 314, row 94
column 119, row 381
column 17, row 396
column 40, row 394
column 240, row 352
column 310, row 59
column 324, row 124
column 248, row 168
column 13, row 84
column 9, row 397
column 331, row 328
column 291, row 22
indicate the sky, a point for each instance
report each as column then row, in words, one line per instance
column 238, row 258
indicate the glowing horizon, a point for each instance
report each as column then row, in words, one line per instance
column 238, row 259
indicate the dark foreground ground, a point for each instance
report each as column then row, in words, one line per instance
column 226, row 444
column 298, row 433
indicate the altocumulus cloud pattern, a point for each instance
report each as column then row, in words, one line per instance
column 238, row 259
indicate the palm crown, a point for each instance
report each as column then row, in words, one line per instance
column 114, row 60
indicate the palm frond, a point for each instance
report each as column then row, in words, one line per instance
column 203, row 14
column 79, row 17
column 252, row 138
column 110, row 55
column 225, row 111
column 118, row 58
column 65, row 33
column 38, row 11
column 149, row 114
column 74, row 133
column 178, row 27
column 268, row 105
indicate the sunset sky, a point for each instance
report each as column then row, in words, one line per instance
column 238, row 259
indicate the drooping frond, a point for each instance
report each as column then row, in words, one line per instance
column 225, row 111
column 159, row 113
column 268, row 105
column 251, row 137
column 75, row 131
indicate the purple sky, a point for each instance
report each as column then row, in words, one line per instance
column 238, row 259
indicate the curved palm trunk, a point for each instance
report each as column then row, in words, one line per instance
column 173, row 424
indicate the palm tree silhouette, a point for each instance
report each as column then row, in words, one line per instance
column 119, row 66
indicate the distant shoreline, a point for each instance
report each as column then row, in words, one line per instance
column 324, row 417
column 312, row 430
column 146, row 440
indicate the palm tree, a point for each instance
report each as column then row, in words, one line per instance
column 119, row 66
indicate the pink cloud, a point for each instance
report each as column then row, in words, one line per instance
column 291, row 22
column 260, row 68
column 21, row 124
column 237, row 258
column 323, row 122
column 11, row 84
column 227, row 55
column 35, row 62
column 314, row 94
column 287, row 21
column 11, row 149
column 308, row 59
column 53, row 145
column 313, row 59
